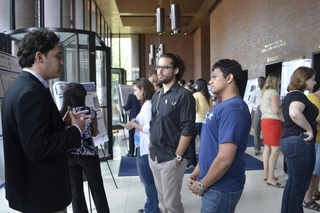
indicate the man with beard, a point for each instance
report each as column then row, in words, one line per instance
column 171, row 128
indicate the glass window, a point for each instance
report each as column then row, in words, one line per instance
column 125, row 54
column 93, row 17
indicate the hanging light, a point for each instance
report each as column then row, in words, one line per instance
column 160, row 20
column 175, row 17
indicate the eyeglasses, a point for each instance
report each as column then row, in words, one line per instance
column 213, row 76
column 164, row 67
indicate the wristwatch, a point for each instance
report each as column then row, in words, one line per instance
column 200, row 186
column 178, row 158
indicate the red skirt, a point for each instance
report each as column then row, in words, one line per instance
column 271, row 131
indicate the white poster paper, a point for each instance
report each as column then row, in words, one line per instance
column 252, row 85
column 287, row 69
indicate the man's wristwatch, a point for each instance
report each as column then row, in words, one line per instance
column 178, row 158
column 200, row 186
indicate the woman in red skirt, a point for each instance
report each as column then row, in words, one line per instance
column 271, row 126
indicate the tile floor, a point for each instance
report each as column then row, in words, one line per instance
column 257, row 197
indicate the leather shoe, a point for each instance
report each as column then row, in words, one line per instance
column 140, row 211
column 129, row 155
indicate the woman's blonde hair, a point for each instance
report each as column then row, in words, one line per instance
column 272, row 82
column 299, row 78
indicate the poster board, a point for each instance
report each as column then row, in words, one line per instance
column 124, row 91
column 287, row 69
column 252, row 85
column 92, row 101
column 9, row 71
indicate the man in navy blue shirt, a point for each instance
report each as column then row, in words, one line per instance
column 219, row 176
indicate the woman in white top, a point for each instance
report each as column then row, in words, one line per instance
column 271, row 126
column 203, row 104
column 144, row 90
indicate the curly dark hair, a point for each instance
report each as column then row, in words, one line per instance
column 35, row 41
column 228, row 66
column 299, row 77
column 74, row 95
column 148, row 88
column 176, row 62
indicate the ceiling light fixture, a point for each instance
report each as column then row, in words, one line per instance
column 155, row 52
column 175, row 17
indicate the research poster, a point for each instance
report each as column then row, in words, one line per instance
column 124, row 91
column 287, row 69
column 252, row 85
column 92, row 101
column 9, row 71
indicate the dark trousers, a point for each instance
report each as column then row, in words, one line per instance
column 131, row 141
column 257, row 129
column 300, row 158
column 192, row 160
column 90, row 165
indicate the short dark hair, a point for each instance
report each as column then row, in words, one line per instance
column 74, row 95
column 152, row 72
column 35, row 41
column 148, row 88
column 299, row 77
column 176, row 62
column 182, row 82
column 228, row 66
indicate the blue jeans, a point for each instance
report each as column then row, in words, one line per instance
column 219, row 202
column 192, row 160
column 146, row 178
column 300, row 158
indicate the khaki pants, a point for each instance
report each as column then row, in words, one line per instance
column 168, row 180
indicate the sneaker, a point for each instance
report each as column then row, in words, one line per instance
column 140, row 211
column 190, row 167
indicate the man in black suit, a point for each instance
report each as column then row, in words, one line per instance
column 35, row 136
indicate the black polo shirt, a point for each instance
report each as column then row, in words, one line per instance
column 173, row 115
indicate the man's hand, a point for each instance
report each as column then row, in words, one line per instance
column 194, row 188
column 177, row 162
column 192, row 178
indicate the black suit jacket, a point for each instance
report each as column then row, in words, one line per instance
column 35, row 147
column 133, row 104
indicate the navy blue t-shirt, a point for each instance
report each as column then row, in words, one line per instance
column 229, row 121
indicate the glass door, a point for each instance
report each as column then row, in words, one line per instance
column 86, row 59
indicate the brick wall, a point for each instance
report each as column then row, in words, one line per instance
column 251, row 31
column 180, row 44
column 202, row 53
